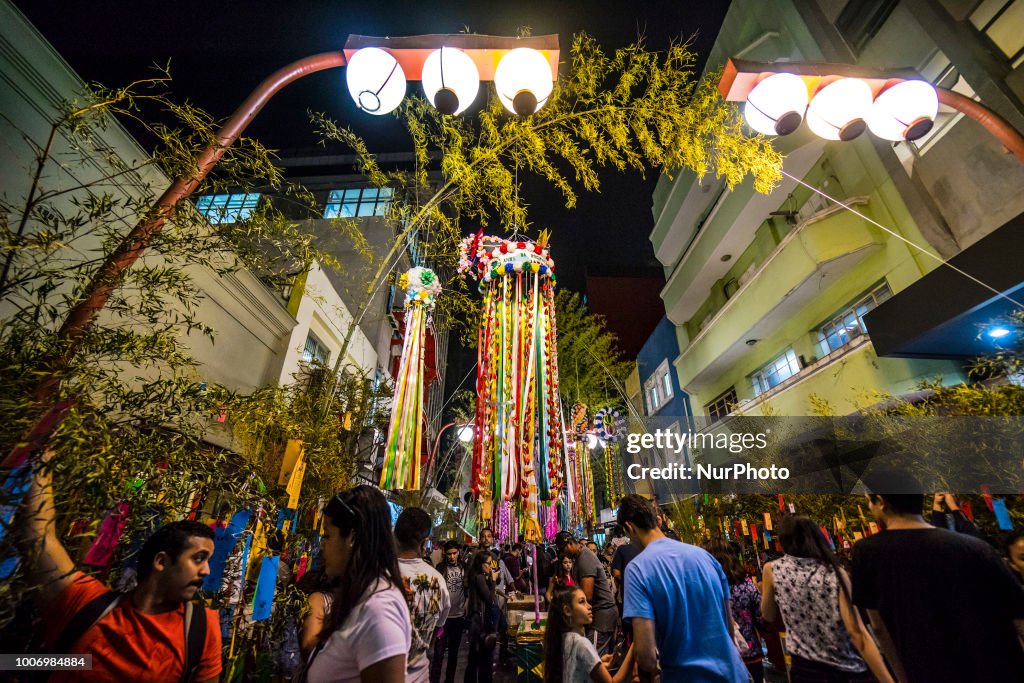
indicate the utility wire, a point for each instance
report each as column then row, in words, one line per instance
column 904, row 239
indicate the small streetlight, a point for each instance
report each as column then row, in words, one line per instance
column 840, row 102
column 466, row 434
column 522, row 81
column 376, row 81
column 452, row 66
column 451, row 80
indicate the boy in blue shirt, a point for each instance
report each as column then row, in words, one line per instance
column 677, row 597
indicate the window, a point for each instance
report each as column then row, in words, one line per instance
column 357, row 202
column 860, row 20
column 653, row 404
column 776, row 372
column 227, row 208
column 315, row 351
column 849, row 324
column 1000, row 21
column 658, row 388
column 723, row 405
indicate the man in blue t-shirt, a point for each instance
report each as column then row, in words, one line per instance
column 677, row 597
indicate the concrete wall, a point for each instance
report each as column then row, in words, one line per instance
column 322, row 312
column 960, row 171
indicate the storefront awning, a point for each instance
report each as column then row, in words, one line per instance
column 947, row 315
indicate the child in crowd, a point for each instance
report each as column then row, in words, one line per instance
column 568, row 655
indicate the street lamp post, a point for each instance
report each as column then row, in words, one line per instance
column 466, row 434
column 841, row 101
column 409, row 54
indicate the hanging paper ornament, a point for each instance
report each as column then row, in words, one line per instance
column 609, row 425
column 405, row 433
column 615, row 484
column 580, row 420
column 518, row 455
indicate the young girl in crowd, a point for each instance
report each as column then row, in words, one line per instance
column 562, row 577
column 366, row 628
column 824, row 633
column 745, row 600
column 568, row 655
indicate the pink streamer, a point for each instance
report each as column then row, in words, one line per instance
column 102, row 551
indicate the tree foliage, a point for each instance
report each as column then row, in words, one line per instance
column 142, row 406
column 591, row 369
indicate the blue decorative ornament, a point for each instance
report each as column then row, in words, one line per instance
column 609, row 425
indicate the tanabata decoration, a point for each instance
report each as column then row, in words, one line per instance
column 405, row 433
column 580, row 492
column 579, row 418
column 518, row 455
column 611, row 428
column 609, row 425
column 224, row 541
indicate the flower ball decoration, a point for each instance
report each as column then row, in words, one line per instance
column 609, row 425
column 487, row 258
column 421, row 287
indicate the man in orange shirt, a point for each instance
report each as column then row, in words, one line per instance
column 143, row 635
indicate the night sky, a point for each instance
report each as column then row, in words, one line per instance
column 220, row 50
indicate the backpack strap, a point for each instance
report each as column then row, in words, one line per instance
column 195, row 640
column 84, row 619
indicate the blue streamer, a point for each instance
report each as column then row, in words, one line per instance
column 1002, row 515
column 263, row 600
column 15, row 488
column 224, row 541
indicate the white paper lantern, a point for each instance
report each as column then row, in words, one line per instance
column 451, row 81
column 375, row 81
column 904, row 111
column 838, row 110
column 776, row 105
column 523, row 81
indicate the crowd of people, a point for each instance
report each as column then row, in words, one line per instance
column 918, row 602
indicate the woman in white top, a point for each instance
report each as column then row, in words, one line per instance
column 568, row 655
column 367, row 633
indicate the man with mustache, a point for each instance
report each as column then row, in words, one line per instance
column 152, row 633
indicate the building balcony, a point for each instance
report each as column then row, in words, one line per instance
column 816, row 254
column 699, row 224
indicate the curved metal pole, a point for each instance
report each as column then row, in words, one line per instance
column 83, row 315
column 1008, row 136
column 433, row 455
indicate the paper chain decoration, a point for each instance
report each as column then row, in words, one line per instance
column 609, row 425
column 405, row 433
column 518, row 456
